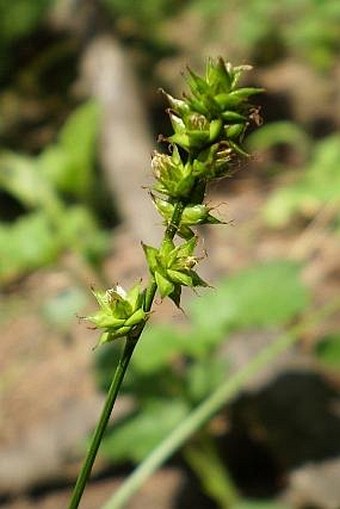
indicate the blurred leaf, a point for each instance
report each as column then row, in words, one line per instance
column 69, row 163
column 319, row 185
column 158, row 347
column 19, row 17
column 323, row 174
column 134, row 438
column 73, row 227
column 328, row 351
column 264, row 295
column 26, row 245
column 54, row 164
column 148, row 13
column 19, row 177
column 203, row 457
column 204, row 376
column 275, row 133
column 80, row 232
column 286, row 202
column 61, row 309
column 307, row 28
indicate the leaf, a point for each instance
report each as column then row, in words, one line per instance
column 19, row 177
column 19, row 18
column 262, row 296
column 276, row 133
column 319, row 184
column 79, row 231
column 203, row 377
column 25, row 245
column 158, row 347
column 135, row 437
column 68, row 164
column 283, row 204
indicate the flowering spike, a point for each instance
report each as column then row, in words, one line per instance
column 173, row 268
column 209, row 123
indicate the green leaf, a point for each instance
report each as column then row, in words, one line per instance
column 19, row 177
column 80, row 232
column 158, row 347
column 20, row 17
column 203, row 377
column 69, row 163
column 134, row 438
column 262, row 296
column 275, row 133
column 286, row 202
column 318, row 185
column 25, row 245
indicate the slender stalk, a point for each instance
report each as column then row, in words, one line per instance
column 118, row 377
column 102, row 423
column 172, row 227
column 203, row 457
column 222, row 395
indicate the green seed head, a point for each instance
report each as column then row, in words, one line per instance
column 119, row 313
column 172, row 267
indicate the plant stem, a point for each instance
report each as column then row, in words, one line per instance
column 102, row 423
column 118, row 377
column 172, row 227
column 222, row 395
column 203, row 457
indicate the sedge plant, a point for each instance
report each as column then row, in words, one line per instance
column 209, row 124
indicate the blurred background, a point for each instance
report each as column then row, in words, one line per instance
column 79, row 117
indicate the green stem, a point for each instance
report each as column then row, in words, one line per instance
column 222, row 395
column 172, row 227
column 119, row 376
column 203, row 458
column 102, row 423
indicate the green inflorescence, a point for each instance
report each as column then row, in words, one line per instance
column 209, row 123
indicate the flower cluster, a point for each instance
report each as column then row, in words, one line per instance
column 192, row 215
column 120, row 312
column 172, row 267
column 209, row 123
